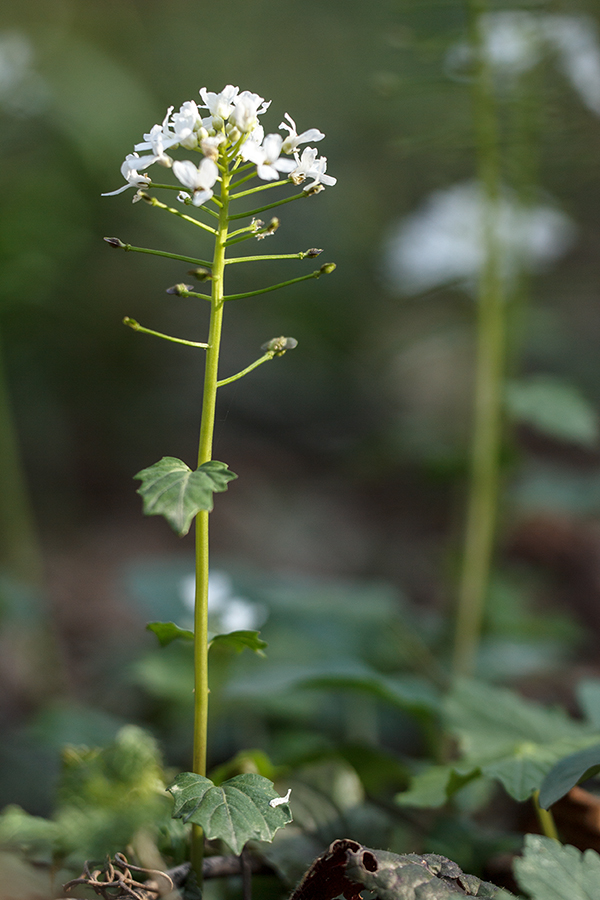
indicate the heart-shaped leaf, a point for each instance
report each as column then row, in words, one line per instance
column 240, row 640
column 235, row 812
column 171, row 489
column 166, row 632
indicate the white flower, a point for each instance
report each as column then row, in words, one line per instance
column 130, row 172
column 443, row 240
column 293, row 139
column 266, row 157
column 158, row 139
column 279, row 801
column 247, row 108
column 210, row 145
column 186, row 125
column 198, row 179
column 220, row 105
column 308, row 166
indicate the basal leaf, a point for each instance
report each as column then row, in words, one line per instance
column 434, row 786
column 490, row 721
column 240, row 640
column 171, row 489
column 237, row 811
column 166, row 632
column 568, row 772
column 552, row 871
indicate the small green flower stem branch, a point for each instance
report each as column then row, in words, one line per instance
column 131, row 323
column 489, row 371
column 545, row 818
column 115, row 242
column 274, row 287
column 154, row 202
column 254, row 212
column 302, row 255
column 258, row 362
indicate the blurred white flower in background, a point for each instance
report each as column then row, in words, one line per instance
column 23, row 91
column 515, row 41
column 442, row 242
column 226, row 612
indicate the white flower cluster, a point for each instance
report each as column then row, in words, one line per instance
column 232, row 124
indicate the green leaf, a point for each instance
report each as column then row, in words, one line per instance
column 502, row 737
column 567, row 773
column 490, row 721
column 166, row 632
column 235, row 812
column 434, row 786
column 554, row 408
column 171, row 489
column 240, row 640
column 551, row 871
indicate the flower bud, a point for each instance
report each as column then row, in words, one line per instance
column 314, row 251
column 279, row 345
column 327, row 268
column 201, row 273
column 273, row 225
column 115, row 242
column 181, row 290
column 131, row 323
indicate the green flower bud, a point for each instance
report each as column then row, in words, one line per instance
column 327, row 268
column 115, row 242
column 181, row 290
column 201, row 273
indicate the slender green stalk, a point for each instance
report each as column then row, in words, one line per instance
column 545, row 818
column 154, row 202
column 273, row 287
column 260, row 187
column 254, row 365
column 301, row 255
column 489, row 371
column 254, row 212
column 131, row 323
column 209, row 402
column 186, row 259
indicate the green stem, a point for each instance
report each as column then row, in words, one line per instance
column 253, row 212
column 154, row 202
column 273, row 287
column 186, row 259
column 209, row 402
column 131, row 323
column 260, row 187
column 254, row 365
column 241, row 259
column 489, row 373
column 545, row 818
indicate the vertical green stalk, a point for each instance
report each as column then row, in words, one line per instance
column 489, row 369
column 209, row 402
column 545, row 818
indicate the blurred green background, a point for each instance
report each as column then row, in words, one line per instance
column 352, row 451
